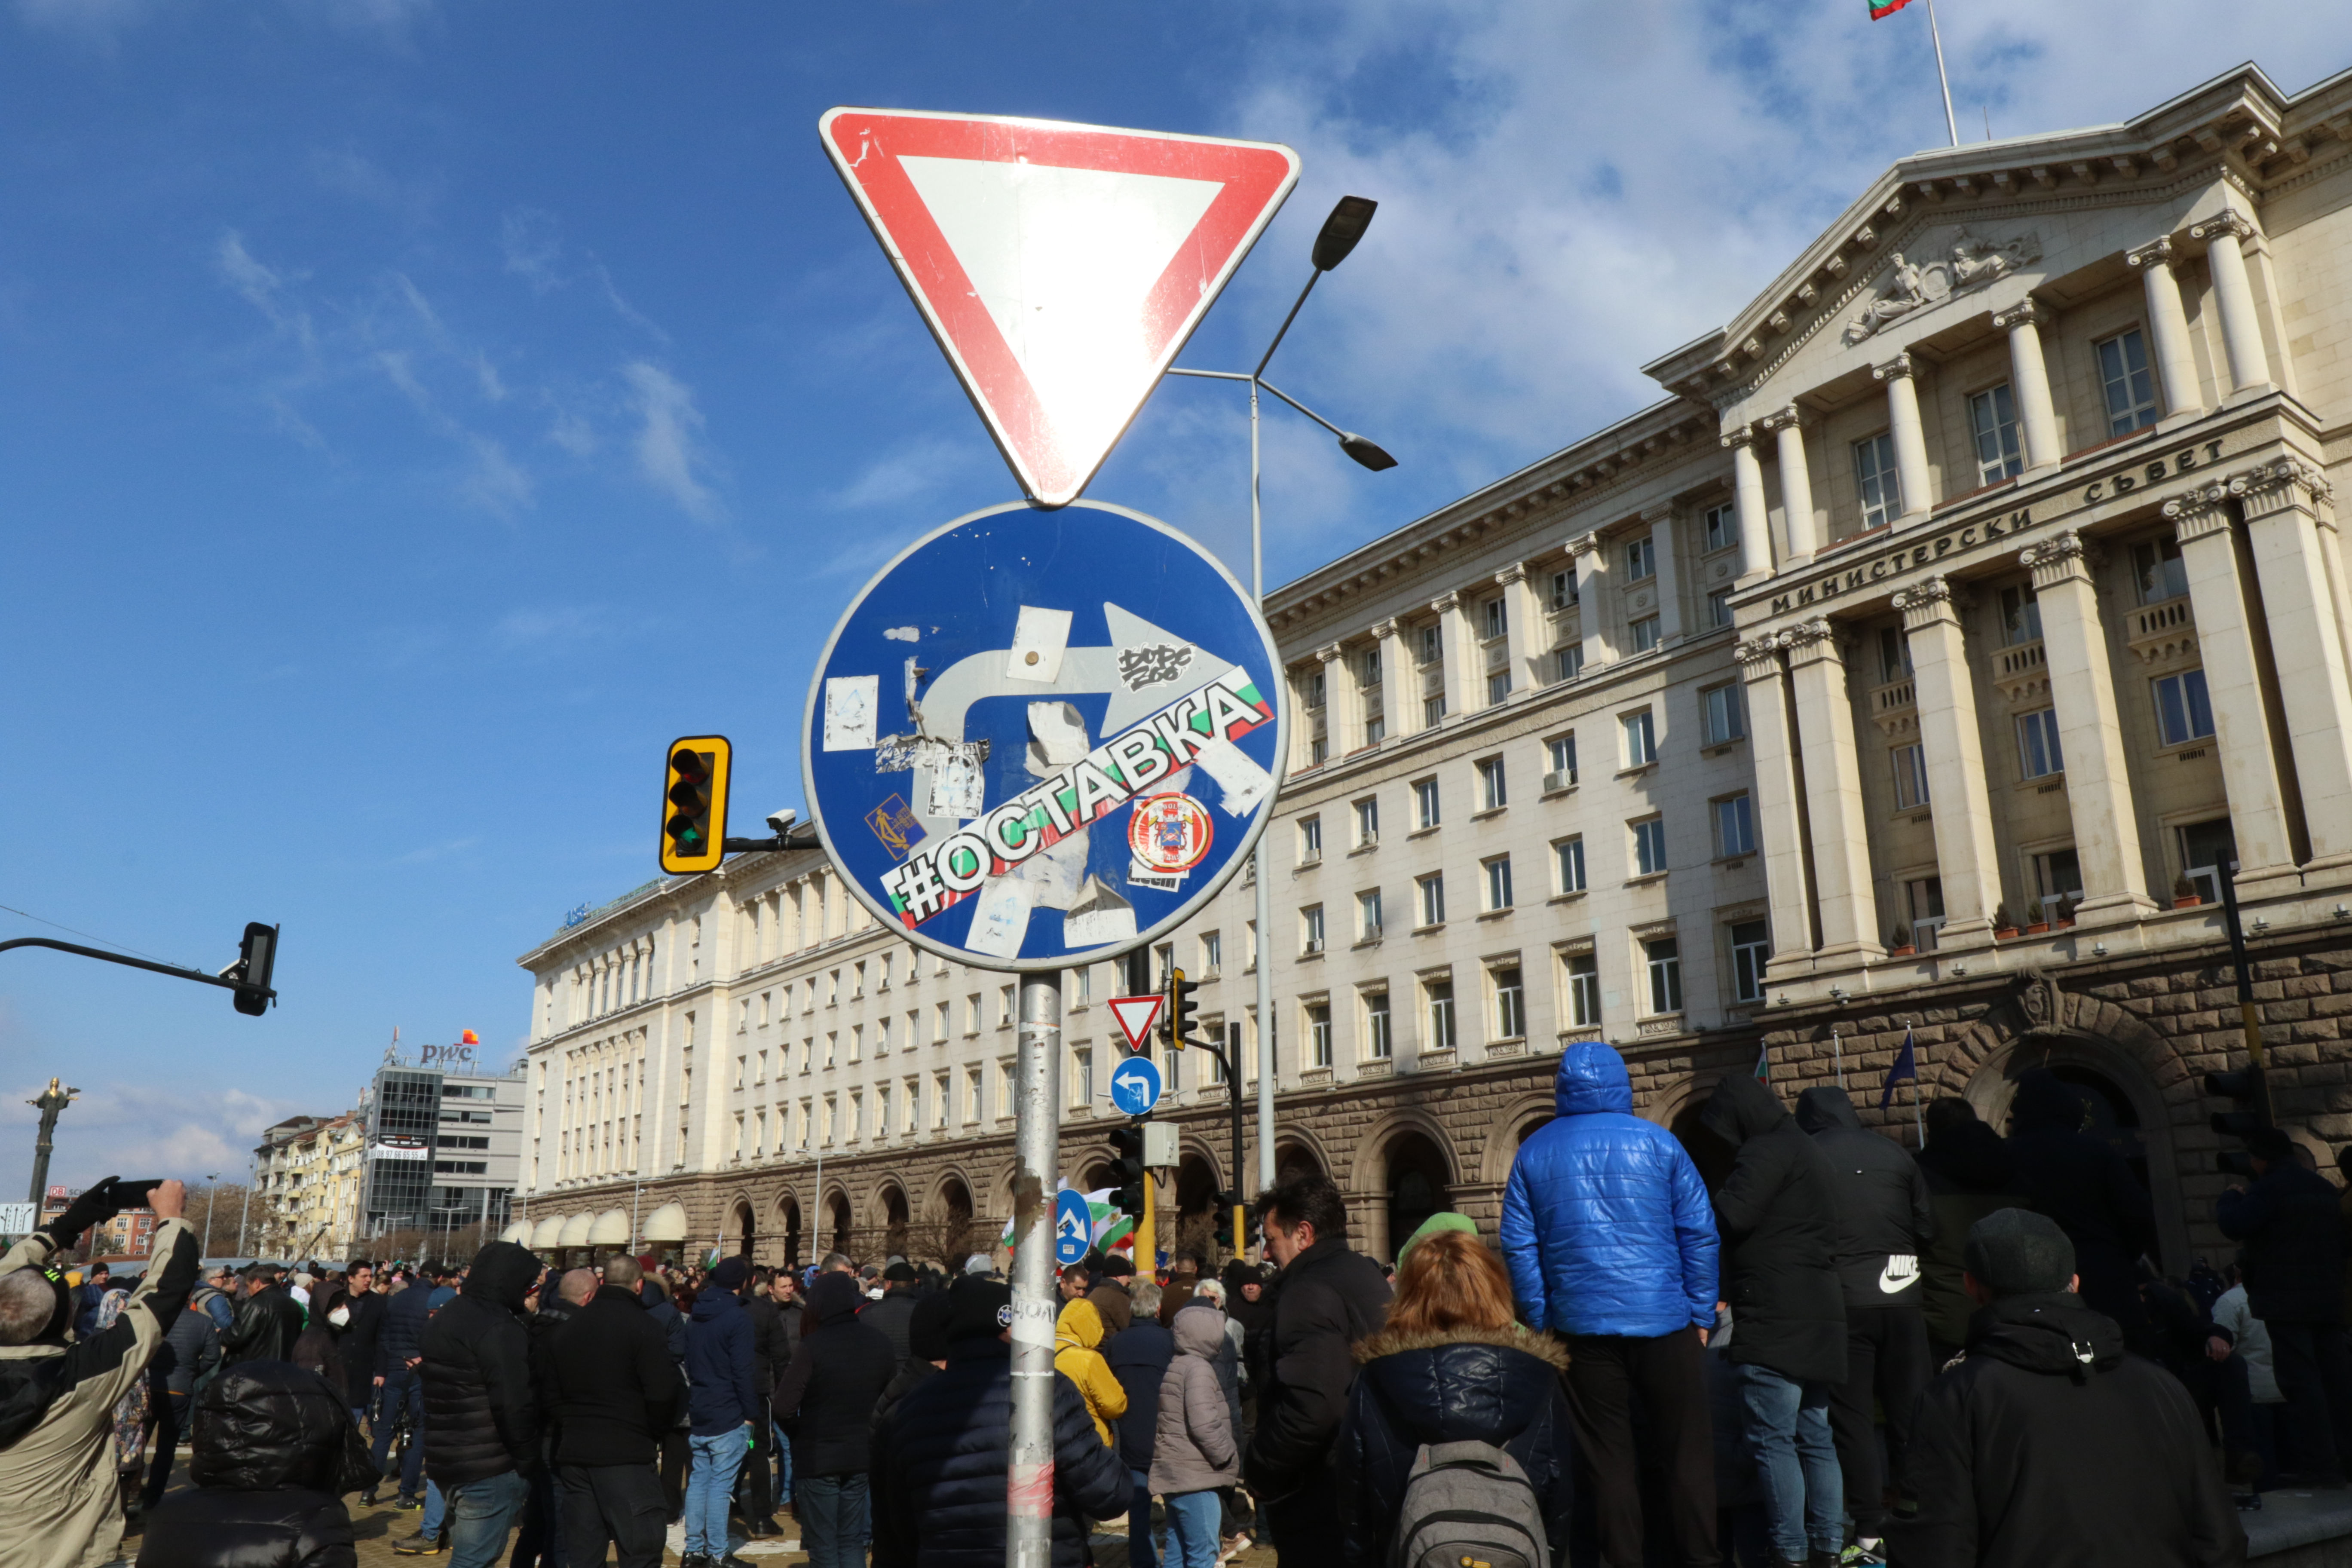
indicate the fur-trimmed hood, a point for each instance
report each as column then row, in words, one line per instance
column 1543, row 1347
column 1501, row 1387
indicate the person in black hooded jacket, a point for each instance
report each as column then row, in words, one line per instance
column 1884, row 1221
column 481, row 1414
column 2085, row 1185
column 826, row 1401
column 2295, row 1269
column 1969, row 1174
column 616, row 1391
column 2048, row 1445
column 1776, row 1212
column 275, row 1450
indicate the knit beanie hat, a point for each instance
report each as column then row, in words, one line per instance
column 1443, row 1220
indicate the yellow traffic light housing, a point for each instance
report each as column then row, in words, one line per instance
column 694, row 804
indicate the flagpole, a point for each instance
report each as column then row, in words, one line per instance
column 1837, row 1047
column 1917, row 1123
column 1951, row 122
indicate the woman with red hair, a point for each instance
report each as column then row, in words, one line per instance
column 1452, row 1365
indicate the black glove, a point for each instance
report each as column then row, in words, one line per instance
column 95, row 1206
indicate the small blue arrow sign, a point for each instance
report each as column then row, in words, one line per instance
column 1134, row 1086
column 1074, row 1227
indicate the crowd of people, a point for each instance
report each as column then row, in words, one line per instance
column 1837, row 1351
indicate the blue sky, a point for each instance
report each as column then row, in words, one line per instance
column 415, row 413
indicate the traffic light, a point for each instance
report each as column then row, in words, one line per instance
column 1176, row 1016
column 1228, row 1204
column 1126, row 1170
column 257, row 960
column 2245, row 1089
column 694, row 804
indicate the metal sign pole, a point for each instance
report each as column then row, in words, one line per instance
column 1036, row 1142
column 1257, row 867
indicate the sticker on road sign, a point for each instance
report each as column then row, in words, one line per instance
column 1135, row 1015
column 1073, row 1228
column 1060, row 267
column 1134, row 1086
column 1016, row 824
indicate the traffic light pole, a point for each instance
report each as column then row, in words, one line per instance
column 2248, row 1020
column 174, row 970
column 1036, row 1142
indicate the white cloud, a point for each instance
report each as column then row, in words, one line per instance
column 669, row 438
column 185, row 1128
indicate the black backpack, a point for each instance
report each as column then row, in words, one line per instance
column 1468, row 1505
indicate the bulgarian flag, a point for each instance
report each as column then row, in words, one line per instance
column 1114, row 1229
column 1881, row 9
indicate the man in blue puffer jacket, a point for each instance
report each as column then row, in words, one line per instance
column 725, row 1406
column 1612, row 1245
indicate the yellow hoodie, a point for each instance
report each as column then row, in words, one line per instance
column 1077, row 1332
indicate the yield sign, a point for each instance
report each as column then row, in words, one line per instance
column 1060, row 267
column 1136, row 1014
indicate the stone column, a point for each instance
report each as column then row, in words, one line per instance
column 1959, row 804
column 1901, row 376
column 1396, row 676
column 2281, row 501
column 2242, row 331
column 1529, row 626
column 1748, row 504
column 2201, row 522
column 1661, row 519
column 1772, row 751
column 2029, row 380
column 1592, row 622
column 2168, row 326
column 1342, row 729
column 1459, row 651
column 2090, row 734
column 1842, row 892
column 1796, row 485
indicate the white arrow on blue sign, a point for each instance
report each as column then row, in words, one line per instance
column 1044, row 737
column 1134, row 1086
column 1074, row 1227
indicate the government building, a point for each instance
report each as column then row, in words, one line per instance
column 1915, row 668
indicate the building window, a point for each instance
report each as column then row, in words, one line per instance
column 1367, row 916
column 1751, row 950
column 2130, row 388
column 1499, row 687
column 1723, row 712
column 1318, row 1033
column 1641, row 739
column 1432, row 712
column 1376, row 728
column 1440, row 1013
column 1310, row 929
column 1314, row 690
column 1722, row 527
column 1432, row 643
column 1497, row 618
column 1368, row 823
column 1663, row 956
column 1568, row 663
column 1649, row 847
column 2183, row 712
column 2057, row 883
column 1992, row 422
column 1083, row 988
column 1583, row 990
column 939, row 1105
column 1310, row 840
column 1568, row 863
column 1424, row 800
column 1560, row 758
column 2158, row 570
column 1640, row 559
column 1510, row 1006
column 1377, row 1044
column 1432, row 899
column 1718, row 607
column 1368, row 665
column 1563, row 590
column 1910, row 776
column 1318, row 751
column 1644, row 632
column 1492, row 795
column 1893, row 654
column 1213, row 953
column 2021, row 615
column 1005, row 1008
column 1874, row 477
column 2206, row 850
column 1735, row 826
column 971, row 1098
column 1082, row 1078
column 1499, row 882
column 1925, row 899
column 2037, row 745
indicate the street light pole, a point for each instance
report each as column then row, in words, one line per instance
column 1341, row 231
column 211, row 1188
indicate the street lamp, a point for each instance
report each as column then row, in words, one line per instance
column 1341, row 231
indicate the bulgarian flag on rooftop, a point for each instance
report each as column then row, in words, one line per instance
column 1881, row 9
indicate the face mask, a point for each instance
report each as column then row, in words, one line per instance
column 339, row 1315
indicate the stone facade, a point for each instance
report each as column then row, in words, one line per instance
column 1973, row 596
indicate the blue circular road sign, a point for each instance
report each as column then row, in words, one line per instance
column 1044, row 737
column 1134, row 1086
column 1074, row 1227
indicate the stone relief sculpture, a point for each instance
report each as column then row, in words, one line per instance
column 1967, row 263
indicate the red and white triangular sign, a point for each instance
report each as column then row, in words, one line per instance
column 1060, row 267
column 1135, row 1015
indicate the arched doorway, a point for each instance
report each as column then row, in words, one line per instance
column 746, row 1234
column 955, row 1208
column 1195, row 1230
column 837, row 1209
column 894, row 1222
column 792, row 1213
column 1418, row 1186
column 1294, row 1160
